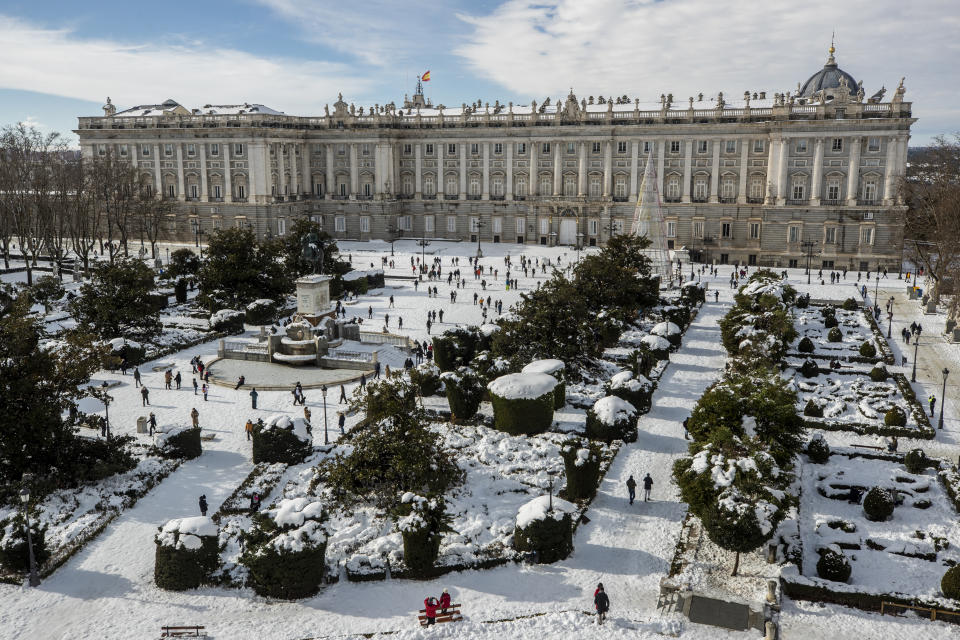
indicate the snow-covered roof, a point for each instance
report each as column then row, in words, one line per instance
column 517, row 386
column 236, row 109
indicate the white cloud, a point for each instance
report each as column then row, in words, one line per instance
column 56, row 61
column 645, row 48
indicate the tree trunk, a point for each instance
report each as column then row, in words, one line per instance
column 736, row 564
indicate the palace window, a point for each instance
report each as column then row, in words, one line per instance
column 497, row 148
column 191, row 149
column 731, row 146
column 145, row 150
column 866, row 235
column 799, row 188
column 830, row 235
column 474, row 149
column 123, row 150
column 698, row 229
column 618, row 226
column 596, row 147
column 671, row 229
column 521, row 148
column 793, row 234
column 167, row 150
column 215, row 149
column 451, row 149
column 474, row 186
column 497, row 186
column 544, row 226
column 451, row 188
column 758, row 146
column 833, row 190
column 521, row 225
column 569, row 185
column 801, row 145
column 701, row 146
column 429, row 186
column 342, row 188
column 622, row 146
column 238, row 149
column 341, row 149
column 365, row 149
column 756, row 187
column 754, row 230
column 674, row 146
column 870, row 188
column 726, row 230
column 451, row 224
column 367, row 189
column 498, row 225
column 241, row 191
column 405, row 223
column 837, row 144
column 571, row 148
column 673, row 187
column 546, row 185
column 520, row 186
column 873, row 144
column 595, row 186
column 407, row 149
column 700, row 188
column 646, row 147
column 194, row 191
column 217, row 193
column 593, row 226
column 728, row 188
column 428, row 224
column 364, row 224
column 429, row 149
column 620, row 187
column 281, row 226
column 545, row 147
column 474, row 225
column 407, row 186
column 340, row 224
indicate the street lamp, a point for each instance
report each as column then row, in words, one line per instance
column 876, row 290
column 423, row 249
column 196, row 231
column 890, row 325
column 943, row 396
column 916, row 345
column 25, row 499
column 323, row 392
column 106, row 406
column 808, row 249
column 480, row 225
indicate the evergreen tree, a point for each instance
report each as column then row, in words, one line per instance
column 240, row 270
column 183, row 262
column 118, row 301
column 617, row 278
column 292, row 250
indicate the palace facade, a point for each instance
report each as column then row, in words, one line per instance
column 762, row 180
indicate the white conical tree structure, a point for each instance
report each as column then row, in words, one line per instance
column 648, row 221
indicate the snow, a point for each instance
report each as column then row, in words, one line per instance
column 656, row 343
column 295, row 512
column 516, row 386
column 118, row 343
column 665, row 329
column 548, row 366
column 611, row 409
column 186, row 532
column 626, row 380
column 164, row 433
column 224, row 315
column 261, row 302
column 357, row 274
column 282, row 421
column 293, row 357
column 539, row 509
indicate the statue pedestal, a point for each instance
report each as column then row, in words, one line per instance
column 313, row 298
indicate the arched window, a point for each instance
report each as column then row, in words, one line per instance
column 673, row 186
column 546, row 185
column 474, row 189
column 497, row 186
column 620, row 187
column 798, row 189
column 429, row 188
column 700, row 188
column 756, row 187
column 451, row 188
column 728, row 188
column 407, row 185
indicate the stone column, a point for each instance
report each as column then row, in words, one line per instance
column 782, row 165
column 634, row 178
column 281, row 169
column 661, row 150
column 331, row 184
column 534, row 169
column 156, row 171
column 418, row 171
column 607, row 168
column 227, row 182
column 463, row 170
column 306, row 177
column 509, row 186
column 204, row 193
column 853, row 172
column 817, row 174
column 770, row 188
column 744, row 170
column 485, row 185
column 582, row 169
column 890, row 170
column 441, row 175
column 715, row 171
column 901, row 165
column 557, row 169
column 687, row 169
column 354, row 172
column 181, row 191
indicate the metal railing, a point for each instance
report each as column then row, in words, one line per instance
column 350, row 356
column 373, row 337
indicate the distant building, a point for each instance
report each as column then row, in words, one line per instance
column 759, row 180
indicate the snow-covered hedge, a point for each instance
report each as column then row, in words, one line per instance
column 420, row 529
column 455, row 347
column 668, row 330
column 227, row 320
column 179, row 441
column 557, row 369
column 548, row 533
column 187, row 553
column 692, row 294
column 464, row 392
column 262, row 311
column 581, row 463
column 426, row 379
column 14, row 554
column 636, row 390
column 131, row 351
column 612, row 418
column 523, row 402
column 286, row 550
column 281, row 439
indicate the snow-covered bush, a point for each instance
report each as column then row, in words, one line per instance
column 548, row 533
column 187, row 553
column 581, row 464
column 817, row 449
column 557, row 369
column 895, row 417
column 14, row 554
column 489, row 366
column 668, row 330
column 281, row 439
column 802, row 302
column 692, row 294
column 805, row 345
column 227, row 321
column 950, row 583
column 421, row 527
column 810, row 368
column 850, row 305
column 612, row 418
column 455, row 347
column 637, row 390
column 813, row 409
column 262, row 311
column 178, row 441
column 285, row 550
column 659, row 347
column 464, row 392
column 180, row 290
column 879, row 373
column 833, row 565
column 878, row 505
column 867, row 350
column 523, row 402
column 835, row 335
column 916, row 461
column 385, row 397
column 131, row 351
column 426, row 379
column 678, row 315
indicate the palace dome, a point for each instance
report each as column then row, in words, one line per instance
column 827, row 78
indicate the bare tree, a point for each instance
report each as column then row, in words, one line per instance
column 84, row 219
column 113, row 187
column 151, row 212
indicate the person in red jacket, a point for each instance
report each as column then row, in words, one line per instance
column 430, row 608
column 444, row 600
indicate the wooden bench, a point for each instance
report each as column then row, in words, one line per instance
column 868, row 446
column 183, row 632
column 450, row 614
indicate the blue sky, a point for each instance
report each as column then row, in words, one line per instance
column 63, row 58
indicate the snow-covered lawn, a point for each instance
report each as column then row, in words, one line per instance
column 854, row 326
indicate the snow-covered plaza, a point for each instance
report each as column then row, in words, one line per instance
column 107, row 589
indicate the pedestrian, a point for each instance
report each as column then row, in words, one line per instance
column 203, row 505
column 399, row 323
column 601, row 603
column 153, row 423
column 167, row 378
column 441, row 315
column 716, row 295
column 363, row 381
column 306, row 414
column 177, row 379
column 342, row 420
column 370, row 312
column 248, row 428
column 386, row 319
column 203, row 389
column 919, row 329
column 136, row 377
column 240, row 382
column 429, row 324
column 933, row 403
column 206, row 376
column 686, row 432
column 253, row 398
column 391, row 302
column 255, row 502
column 376, row 370
column 145, row 395
column 632, row 488
column 343, row 395
column 430, row 609
column 195, row 417
column 647, row 486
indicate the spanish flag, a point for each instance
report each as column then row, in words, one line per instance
column 425, row 77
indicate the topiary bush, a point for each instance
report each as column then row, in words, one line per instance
column 422, row 530
column 830, row 322
column 227, row 321
column 455, row 347
column 878, row 505
column 549, row 534
column 806, row 345
column 895, row 417
column 817, row 449
column 916, row 461
column 14, row 552
column 835, row 335
column 260, row 312
column 879, row 373
column 612, row 418
column 489, row 366
column 281, row 439
column 810, row 369
column 950, row 583
column 867, row 350
column 286, row 549
column 692, row 294
column 522, row 402
column 464, row 392
column 802, row 302
column 813, row 410
column 426, row 379
column 850, row 305
column 188, row 553
column 678, row 315
column 582, row 467
column 180, row 290
column 175, row 441
column 557, row 369
column 833, row 566
column 636, row 390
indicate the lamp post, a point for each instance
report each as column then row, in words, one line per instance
column 916, row 345
column 323, row 392
column 480, row 225
column 196, row 231
column 168, row 255
column 106, row 406
column 890, row 323
column 876, row 290
column 808, row 249
column 579, row 245
column 943, row 396
column 25, row 499
column 423, row 249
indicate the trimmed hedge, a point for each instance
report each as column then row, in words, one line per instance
column 14, row 552
column 867, row 350
column 260, row 314
column 878, row 505
column 830, row 322
column 551, row 539
column 624, row 429
column 186, row 445
column 850, row 305
column 464, row 392
column 421, row 531
column 287, row 575
column 895, row 417
column 809, row 369
column 833, row 566
column 806, row 345
column 879, row 373
column 522, row 416
column 812, row 409
column 278, row 445
column 455, row 348
column 179, row 569
column 426, row 379
column 835, row 335
column 950, row 583
column 582, row 470
column 916, row 461
column 560, row 391
column 818, row 450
